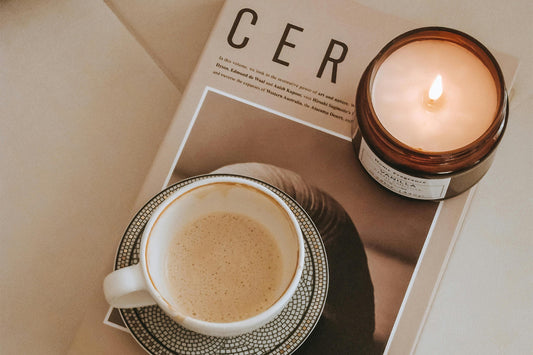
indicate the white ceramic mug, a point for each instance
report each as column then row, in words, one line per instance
column 146, row 284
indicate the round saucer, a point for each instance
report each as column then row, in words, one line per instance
column 159, row 334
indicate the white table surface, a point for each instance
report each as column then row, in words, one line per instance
column 87, row 90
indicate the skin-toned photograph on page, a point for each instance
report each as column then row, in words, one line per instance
column 372, row 237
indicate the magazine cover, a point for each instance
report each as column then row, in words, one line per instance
column 272, row 98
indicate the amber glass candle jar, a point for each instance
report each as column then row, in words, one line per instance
column 431, row 109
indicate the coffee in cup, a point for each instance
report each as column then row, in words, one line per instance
column 224, row 267
column 221, row 256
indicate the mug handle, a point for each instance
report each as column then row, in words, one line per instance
column 126, row 288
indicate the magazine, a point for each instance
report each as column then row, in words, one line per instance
column 272, row 97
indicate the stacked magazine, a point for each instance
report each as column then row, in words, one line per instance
column 272, row 97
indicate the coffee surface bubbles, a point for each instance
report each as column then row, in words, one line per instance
column 224, row 267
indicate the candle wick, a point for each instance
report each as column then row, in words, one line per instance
column 432, row 105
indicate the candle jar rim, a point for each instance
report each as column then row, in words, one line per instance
column 420, row 162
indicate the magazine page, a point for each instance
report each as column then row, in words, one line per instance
column 272, row 98
column 319, row 170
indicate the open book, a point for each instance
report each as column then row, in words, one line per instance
column 272, row 97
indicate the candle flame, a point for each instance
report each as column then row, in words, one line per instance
column 436, row 88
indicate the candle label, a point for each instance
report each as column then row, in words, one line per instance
column 401, row 183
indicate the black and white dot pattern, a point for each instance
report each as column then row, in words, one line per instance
column 159, row 334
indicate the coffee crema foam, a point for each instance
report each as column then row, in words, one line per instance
column 224, row 267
